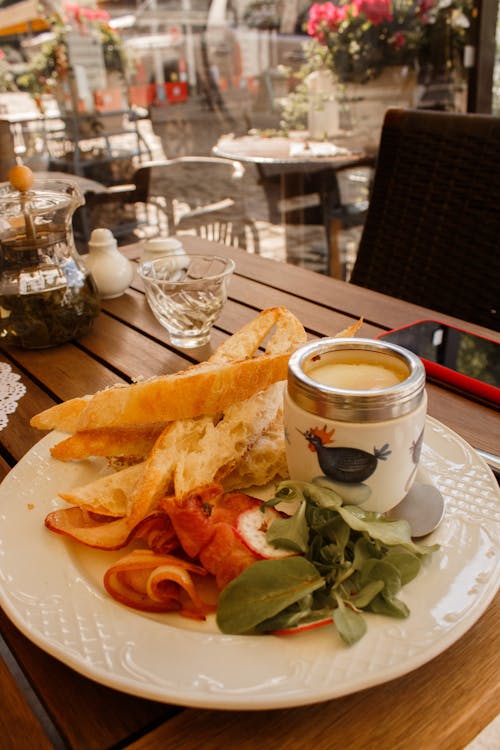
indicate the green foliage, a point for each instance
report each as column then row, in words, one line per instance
column 351, row 561
column 51, row 65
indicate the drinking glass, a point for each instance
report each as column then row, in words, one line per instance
column 186, row 294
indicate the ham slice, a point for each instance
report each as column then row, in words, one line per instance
column 108, row 533
column 156, row 583
column 205, row 524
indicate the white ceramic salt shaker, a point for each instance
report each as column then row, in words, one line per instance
column 111, row 271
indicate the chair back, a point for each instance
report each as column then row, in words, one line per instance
column 432, row 233
column 200, row 193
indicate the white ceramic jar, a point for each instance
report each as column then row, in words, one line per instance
column 354, row 416
column 158, row 247
column 110, row 269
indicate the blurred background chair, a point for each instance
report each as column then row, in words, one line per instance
column 345, row 200
column 432, row 232
column 196, row 194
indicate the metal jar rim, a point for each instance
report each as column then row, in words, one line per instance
column 355, row 405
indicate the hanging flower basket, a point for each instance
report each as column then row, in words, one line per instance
column 359, row 39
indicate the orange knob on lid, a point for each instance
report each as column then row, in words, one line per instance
column 21, row 178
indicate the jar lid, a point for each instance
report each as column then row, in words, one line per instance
column 45, row 197
column 163, row 244
column 360, row 404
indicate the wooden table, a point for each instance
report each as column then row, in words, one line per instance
column 307, row 173
column 45, row 704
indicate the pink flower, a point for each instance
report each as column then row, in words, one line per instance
column 323, row 18
column 398, row 39
column 423, row 9
column 91, row 14
column 353, row 8
column 376, row 11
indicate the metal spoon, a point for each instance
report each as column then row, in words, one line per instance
column 423, row 508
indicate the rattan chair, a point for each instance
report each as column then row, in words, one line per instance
column 432, row 233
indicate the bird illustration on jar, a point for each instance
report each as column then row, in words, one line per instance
column 346, row 469
column 344, row 464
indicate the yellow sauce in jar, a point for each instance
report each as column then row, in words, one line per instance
column 365, row 372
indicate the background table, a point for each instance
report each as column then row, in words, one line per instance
column 307, row 174
column 443, row 704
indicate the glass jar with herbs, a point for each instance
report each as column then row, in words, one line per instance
column 47, row 296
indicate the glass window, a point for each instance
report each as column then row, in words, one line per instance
column 309, row 81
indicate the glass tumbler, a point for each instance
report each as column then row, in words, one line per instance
column 186, row 294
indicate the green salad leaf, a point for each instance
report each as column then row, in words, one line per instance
column 290, row 532
column 349, row 561
column 264, row 589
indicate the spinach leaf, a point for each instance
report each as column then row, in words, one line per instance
column 381, row 570
column 350, row 625
column 264, row 589
column 382, row 529
column 363, row 598
column 391, row 607
column 407, row 564
column 290, row 533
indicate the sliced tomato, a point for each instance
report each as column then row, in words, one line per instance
column 304, row 627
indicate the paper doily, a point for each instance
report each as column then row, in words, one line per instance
column 11, row 390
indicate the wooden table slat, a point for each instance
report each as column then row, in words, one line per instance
column 375, row 308
column 66, row 370
column 72, row 699
column 19, row 727
column 413, row 712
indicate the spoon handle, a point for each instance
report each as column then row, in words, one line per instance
column 492, row 461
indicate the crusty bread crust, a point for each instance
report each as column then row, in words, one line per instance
column 231, row 374
column 289, row 334
column 133, row 443
column 185, row 395
column 63, row 416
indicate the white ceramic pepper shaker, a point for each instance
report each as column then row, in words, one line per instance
column 112, row 271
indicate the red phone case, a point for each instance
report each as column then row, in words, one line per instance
column 456, row 379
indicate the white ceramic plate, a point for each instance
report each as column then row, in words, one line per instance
column 51, row 589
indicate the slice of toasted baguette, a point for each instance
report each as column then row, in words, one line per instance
column 263, row 462
column 189, row 394
column 131, row 443
column 350, row 331
column 223, row 444
column 110, row 495
column 63, row 416
column 232, row 373
column 288, row 334
column 156, row 478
